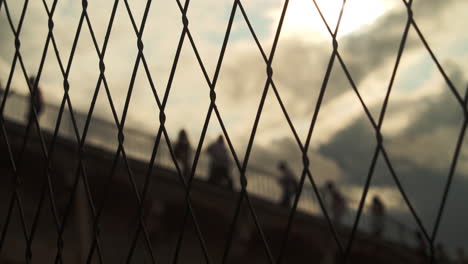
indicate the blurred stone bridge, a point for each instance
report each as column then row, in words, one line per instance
column 214, row 206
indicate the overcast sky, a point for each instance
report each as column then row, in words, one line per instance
column 420, row 128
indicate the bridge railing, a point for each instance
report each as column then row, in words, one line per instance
column 262, row 182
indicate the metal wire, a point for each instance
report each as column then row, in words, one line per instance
column 80, row 175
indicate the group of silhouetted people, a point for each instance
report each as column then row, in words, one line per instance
column 335, row 201
column 220, row 164
column 219, row 174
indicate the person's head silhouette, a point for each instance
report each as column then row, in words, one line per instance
column 282, row 165
column 182, row 134
column 330, row 185
column 32, row 81
column 376, row 200
column 32, row 85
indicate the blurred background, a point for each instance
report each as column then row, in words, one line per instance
column 421, row 128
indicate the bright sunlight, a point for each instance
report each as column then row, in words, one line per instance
column 303, row 18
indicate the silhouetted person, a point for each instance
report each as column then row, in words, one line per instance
column 336, row 201
column 441, row 255
column 462, row 258
column 36, row 100
column 378, row 216
column 219, row 165
column 288, row 182
column 182, row 152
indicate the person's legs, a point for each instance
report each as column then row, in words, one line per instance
column 379, row 225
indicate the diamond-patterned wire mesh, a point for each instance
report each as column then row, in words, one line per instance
column 139, row 187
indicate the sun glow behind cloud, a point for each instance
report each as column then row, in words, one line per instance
column 303, row 18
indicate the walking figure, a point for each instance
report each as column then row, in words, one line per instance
column 336, row 201
column 36, row 100
column 288, row 182
column 182, row 152
column 378, row 216
column 219, row 165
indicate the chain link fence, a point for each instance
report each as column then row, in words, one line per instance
column 252, row 181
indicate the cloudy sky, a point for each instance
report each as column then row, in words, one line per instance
column 423, row 118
